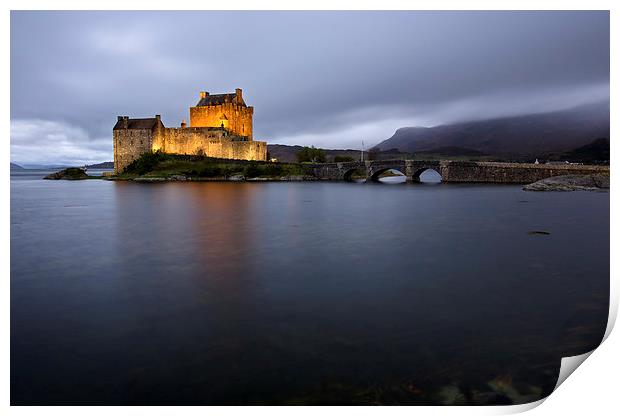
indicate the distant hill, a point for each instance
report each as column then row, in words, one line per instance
column 527, row 135
column 44, row 167
column 452, row 151
column 594, row 152
column 102, row 165
column 286, row 153
column 15, row 166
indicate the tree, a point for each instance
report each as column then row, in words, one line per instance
column 311, row 154
column 146, row 162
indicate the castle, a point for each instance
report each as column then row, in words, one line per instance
column 220, row 125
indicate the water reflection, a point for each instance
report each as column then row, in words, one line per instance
column 392, row 176
column 233, row 293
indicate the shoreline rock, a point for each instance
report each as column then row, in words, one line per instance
column 147, row 179
column 567, row 183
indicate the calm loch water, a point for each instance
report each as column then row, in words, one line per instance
column 300, row 293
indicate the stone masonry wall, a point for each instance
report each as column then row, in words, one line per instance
column 456, row 171
column 129, row 144
column 239, row 118
column 186, row 141
column 208, row 142
column 496, row 172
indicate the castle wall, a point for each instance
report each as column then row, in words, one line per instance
column 129, row 144
column 205, row 135
column 211, row 143
column 239, row 118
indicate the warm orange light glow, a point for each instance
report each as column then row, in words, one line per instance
column 224, row 121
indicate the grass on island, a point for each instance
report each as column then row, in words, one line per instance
column 162, row 165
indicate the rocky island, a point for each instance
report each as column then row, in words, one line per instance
column 570, row 183
column 71, row 174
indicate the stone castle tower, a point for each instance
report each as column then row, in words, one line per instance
column 220, row 127
column 228, row 111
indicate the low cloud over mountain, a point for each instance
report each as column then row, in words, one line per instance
column 530, row 135
column 329, row 79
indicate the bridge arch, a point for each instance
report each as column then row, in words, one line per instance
column 376, row 174
column 415, row 177
column 355, row 174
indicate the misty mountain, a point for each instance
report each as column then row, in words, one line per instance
column 594, row 152
column 452, row 151
column 15, row 166
column 529, row 135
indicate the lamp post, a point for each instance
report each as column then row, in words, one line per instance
column 362, row 156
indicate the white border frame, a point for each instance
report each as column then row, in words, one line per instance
column 593, row 387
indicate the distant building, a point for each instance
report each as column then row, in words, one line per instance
column 220, row 125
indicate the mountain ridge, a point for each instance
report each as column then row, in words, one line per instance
column 523, row 135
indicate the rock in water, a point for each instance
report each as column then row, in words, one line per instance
column 570, row 183
column 69, row 173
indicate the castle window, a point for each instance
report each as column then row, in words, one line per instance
column 223, row 121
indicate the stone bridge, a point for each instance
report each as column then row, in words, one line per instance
column 454, row 171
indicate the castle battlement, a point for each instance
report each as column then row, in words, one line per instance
column 220, row 126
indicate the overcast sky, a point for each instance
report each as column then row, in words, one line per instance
column 329, row 79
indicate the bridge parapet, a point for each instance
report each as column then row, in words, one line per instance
column 518, row 173
column 454, row 171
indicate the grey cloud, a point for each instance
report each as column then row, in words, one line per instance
column 48, row 142
column 322, row 78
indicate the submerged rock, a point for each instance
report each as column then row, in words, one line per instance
column 451, row 395
column 570, row 183
column 68, row 174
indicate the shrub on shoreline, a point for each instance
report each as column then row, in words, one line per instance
column 159, row 164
